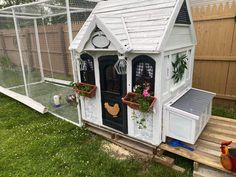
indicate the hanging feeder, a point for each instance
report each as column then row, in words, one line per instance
column 121, row 65
column 82, row 63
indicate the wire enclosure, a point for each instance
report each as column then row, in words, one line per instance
column 34, row 56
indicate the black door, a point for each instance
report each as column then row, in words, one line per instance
column 113, row 88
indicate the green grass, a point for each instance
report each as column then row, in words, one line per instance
column 218, row 111
column 32, row 144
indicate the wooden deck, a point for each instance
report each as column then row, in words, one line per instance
column 207, row 148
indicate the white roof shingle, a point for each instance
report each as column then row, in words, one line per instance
column 138, row 25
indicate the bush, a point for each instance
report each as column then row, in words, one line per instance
column 5, row 62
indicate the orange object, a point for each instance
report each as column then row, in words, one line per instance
column 228, row 156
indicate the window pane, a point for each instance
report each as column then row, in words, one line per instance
column 87, row 69
column 144, row 72
column 112, row 80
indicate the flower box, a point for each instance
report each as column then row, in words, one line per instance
column 129, row 99
column 86, row 90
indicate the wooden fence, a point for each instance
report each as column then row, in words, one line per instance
column 215, row 57
column 56, row 50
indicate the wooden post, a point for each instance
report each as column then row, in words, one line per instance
column 3, row 45
column 29, row 50
column 63, row 50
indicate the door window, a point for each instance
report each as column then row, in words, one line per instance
column 113, row 81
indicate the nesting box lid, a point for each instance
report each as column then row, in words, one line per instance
column 194, row 101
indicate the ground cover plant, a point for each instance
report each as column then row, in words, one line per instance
column 32, row 144
column 219, row 111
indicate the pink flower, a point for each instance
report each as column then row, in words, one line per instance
column 145, row 93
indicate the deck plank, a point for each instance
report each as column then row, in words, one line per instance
column 222, row 123
column 204, row 143
column 207, row 148
column 224, row 119
column 217, row 138
column 226, row 132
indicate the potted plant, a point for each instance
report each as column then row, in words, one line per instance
column 140, row 100
column 84, row 89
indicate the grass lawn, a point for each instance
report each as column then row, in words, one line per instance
column 224, row 112
column 32, row 144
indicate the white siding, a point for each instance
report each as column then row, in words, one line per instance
column 180, row 37
column 169, row 88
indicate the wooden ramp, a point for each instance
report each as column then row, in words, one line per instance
column 207, row 148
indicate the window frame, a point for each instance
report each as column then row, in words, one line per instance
column 87, row 60
column 143, row 59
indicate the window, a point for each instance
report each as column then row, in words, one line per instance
column 143, row 71
column 87, row 69
column 113, row 80
column 183, row 16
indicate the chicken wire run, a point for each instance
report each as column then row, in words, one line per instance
column 35, row 63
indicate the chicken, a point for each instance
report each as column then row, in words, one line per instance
column 113, row 110
column 228, row 156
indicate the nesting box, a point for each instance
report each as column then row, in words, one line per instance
column 157, row 42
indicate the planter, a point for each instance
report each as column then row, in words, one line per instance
column 134, row 105
column 86, row 90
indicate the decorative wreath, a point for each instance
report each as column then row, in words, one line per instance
column 180, row 65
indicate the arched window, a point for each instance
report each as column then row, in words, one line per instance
column 87, row 69
column 143, row 72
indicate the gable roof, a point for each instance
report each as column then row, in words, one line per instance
column 138, row 25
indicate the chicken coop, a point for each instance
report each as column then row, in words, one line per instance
column 135, row 71
column 36, row 66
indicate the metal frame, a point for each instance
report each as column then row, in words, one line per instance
column 13, row 13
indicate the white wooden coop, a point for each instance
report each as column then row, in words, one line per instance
column 150, row 35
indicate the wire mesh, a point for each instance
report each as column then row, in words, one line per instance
column 43, row 42
column 10, row 67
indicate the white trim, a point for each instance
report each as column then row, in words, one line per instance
column 179, row 111
column 25, row 100
column 20, row 13
column 86, row 36
column 73, row 60
column 204, row 91
column 19, row 86
column 111, row 36
column 62, row 7
column 57, row 81
column 25, row 5
column 193, row 33
column 170, row 25
column 64, row 13
column 179, row 49
column 126, row 31
column 20, row 52
column 38, row 48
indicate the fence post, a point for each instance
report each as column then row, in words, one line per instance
column 29, row 50
column 3, row 45
column 63, row 49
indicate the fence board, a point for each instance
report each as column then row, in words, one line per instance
column 231, row 83
column 215, row 57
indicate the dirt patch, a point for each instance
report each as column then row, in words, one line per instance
column 116, row 151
